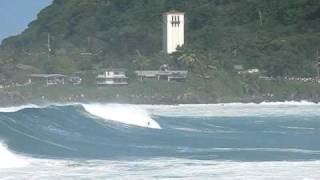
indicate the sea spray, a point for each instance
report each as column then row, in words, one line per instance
column 9, row 159
column 126, row 114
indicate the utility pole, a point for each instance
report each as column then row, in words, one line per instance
column 318, row 65
column 260, row 17
column 49, row 47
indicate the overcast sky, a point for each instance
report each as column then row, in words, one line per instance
column 15, row 15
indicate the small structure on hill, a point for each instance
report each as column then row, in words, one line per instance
column 249, row 71
column 74, row 80
column 173, row 31
column 238, row 67
column 48, row 79
column 112, row 77
column 54, row 79
column 163, row 74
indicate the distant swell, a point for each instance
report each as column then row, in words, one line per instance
column 264, row 109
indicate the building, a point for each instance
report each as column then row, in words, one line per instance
column 169, row 76
column 238, row 67
column 74, row 80
column 112, row 77
column 173, row 31
column 249, row 71
column 163, row 74
column 48, row 79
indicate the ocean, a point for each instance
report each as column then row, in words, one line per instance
column 121, row 141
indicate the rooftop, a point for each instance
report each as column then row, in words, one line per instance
column 155, row 73
column 173, row 12
column 115, row 70
column 46, row 75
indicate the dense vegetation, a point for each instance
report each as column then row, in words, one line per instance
column 280, row 37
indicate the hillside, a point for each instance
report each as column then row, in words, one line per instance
column 280, row 37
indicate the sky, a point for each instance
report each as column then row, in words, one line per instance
column 15, row 15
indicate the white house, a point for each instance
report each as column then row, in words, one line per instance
column 112, row 77
column 48, row 79
column 173, row 31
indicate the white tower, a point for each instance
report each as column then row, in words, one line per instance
column 173, row 31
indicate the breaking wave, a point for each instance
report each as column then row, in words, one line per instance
column 18, row 108
column 111, row 130
column 126, row 114
column 10, row 160
column 122, row 113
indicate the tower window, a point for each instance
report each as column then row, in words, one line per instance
column 172, row 21
column 175, row 21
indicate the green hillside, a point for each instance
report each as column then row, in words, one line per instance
column 280, row 37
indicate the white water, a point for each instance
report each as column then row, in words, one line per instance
column 9, row 159
column 17, row 108
column 272, row 109
column 164, row 168
column 188, row 110
column 126, row 114
column 13, row 166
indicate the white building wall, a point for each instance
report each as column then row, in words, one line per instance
column 173, row 32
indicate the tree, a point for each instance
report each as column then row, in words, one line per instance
column 141, row 61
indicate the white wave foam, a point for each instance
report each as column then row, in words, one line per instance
column 17, row 108
column 9, row 159
column 126, row 114
column 165, row 168
column 34, row 106
column 271, row 109
column 195, row 110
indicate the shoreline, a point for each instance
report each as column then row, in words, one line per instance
column 159, row 92
column 58, row 103
column 16, row 99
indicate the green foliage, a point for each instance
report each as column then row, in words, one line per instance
column 140, row 61
column 278, row 36
column 64, row 65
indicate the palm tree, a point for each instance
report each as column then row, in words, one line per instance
column 188, row 59
column 141, row 61
column 191, row 61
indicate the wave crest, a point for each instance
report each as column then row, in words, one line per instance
column 126, row 114
column 18, row 108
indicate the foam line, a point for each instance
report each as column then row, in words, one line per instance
column 265, row 109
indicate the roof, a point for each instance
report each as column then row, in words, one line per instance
column 116, row 69
column 238, row 67
column 111, row 77
column 173, row 12
column 46, row 75
column 147, row 73
column 156, row 73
